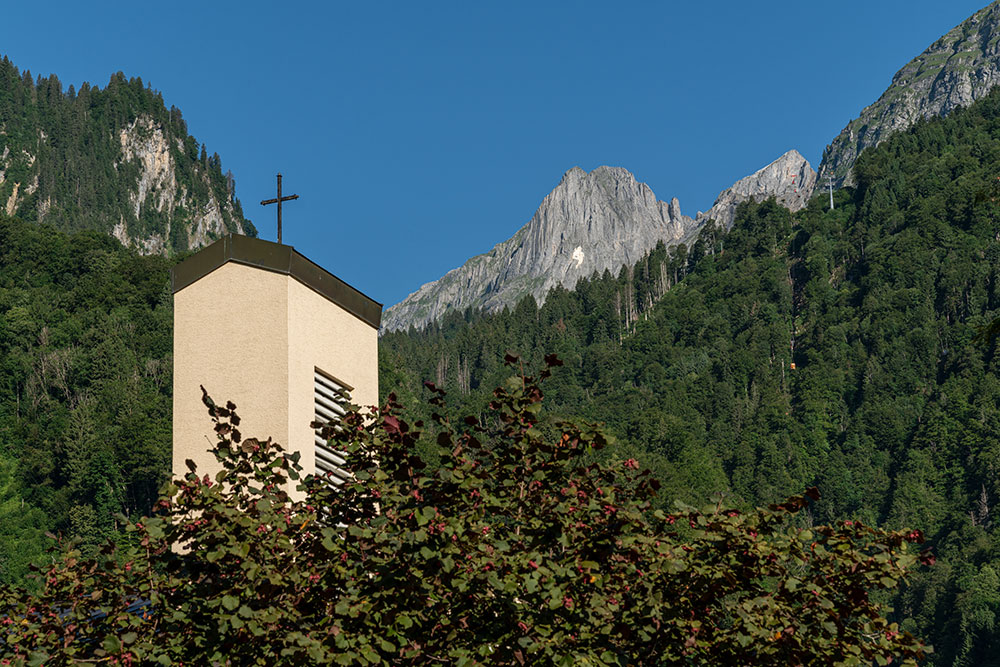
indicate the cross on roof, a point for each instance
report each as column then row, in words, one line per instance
column 278, row 201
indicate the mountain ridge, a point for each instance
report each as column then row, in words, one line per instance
column 957, row 69
column 584, row 225
column 589, row 223
column 790, row 179
column 115, row 160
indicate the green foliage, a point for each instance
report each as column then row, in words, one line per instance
column 85, row 385
column 21, row 527
column 63, row 153
column 518, row 548
column 891, row 409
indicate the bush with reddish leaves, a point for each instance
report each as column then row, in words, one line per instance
column 518, row 548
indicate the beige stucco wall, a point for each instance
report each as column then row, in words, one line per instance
column 254, row 337
column 321, row 334
column 230, row 335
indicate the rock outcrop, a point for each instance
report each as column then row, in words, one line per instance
column 112, row 160
column 145, row 145
column 956, row 70
column 790, row 179
column 589, row 223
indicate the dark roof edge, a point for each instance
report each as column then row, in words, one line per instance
column 279, row 259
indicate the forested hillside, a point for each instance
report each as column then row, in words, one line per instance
column 85, row 384
column 828, row 348
column 835, row 349
column 115, row 160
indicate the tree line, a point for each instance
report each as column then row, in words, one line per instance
column 829, row 349
column 518, row 548
column 62, row 160
column 835, row 349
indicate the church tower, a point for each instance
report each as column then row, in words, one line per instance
column 260, row 325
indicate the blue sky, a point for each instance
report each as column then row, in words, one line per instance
column 420, row 134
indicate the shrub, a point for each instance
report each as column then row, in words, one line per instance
column 520, row 547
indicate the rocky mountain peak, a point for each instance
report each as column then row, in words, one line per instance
column 956, row 70
column 674, row 209
column 132, row 171
column 573, row 174
column 591, row 222
column 790, row 179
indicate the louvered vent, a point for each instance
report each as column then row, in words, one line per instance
column 330, row 398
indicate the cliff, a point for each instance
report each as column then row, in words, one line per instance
column 113, row 159
column 956, row 70
column 790, row 179
column 591, row 222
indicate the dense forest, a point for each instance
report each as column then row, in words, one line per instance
column 62, row 160
column 838, row 349
column 517, row 549
column 85, row 386
column 829, row 348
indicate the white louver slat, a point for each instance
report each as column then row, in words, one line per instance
column 324, row 452
column 330, row 396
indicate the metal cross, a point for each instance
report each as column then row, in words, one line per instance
column 278, row 201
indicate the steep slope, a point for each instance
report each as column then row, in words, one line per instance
column 588, row 223
column 954, row 71
column 790, row 179
column 892, row 407
column 114, row 160
column 85, row 386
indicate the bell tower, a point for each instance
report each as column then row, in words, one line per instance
column 260, row 325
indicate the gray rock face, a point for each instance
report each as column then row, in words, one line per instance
column 790, row 179
column 956, row 70
column 169, row 201
column 145, row 144
column 589, row 222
